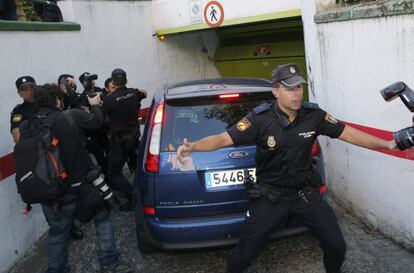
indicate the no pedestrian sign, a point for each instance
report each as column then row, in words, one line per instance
column 214, row 14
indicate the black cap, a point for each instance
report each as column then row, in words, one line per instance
column 118, row 74
column 63, row 76
column 22, row 81
column 287, row 74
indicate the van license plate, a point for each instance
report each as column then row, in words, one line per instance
column 226, row 178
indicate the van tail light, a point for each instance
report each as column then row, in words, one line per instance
column 149, row 211
column 322, row 189
column 316, row 149
column 153, row 152
column 229, row 96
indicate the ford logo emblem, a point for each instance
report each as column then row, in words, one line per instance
column 238, row 154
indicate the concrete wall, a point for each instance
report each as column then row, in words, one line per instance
column 114, row 34
column 348, row 63
column 170, row 14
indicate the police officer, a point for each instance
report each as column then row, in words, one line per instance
column 284, row 132
column 122, row 107
column 25, row 86
column 24, row 111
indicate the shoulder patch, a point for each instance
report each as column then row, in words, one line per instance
column 243, row 125
column 261, row 108
column 16, row 118
column 310, row 105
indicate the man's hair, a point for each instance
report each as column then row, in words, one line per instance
column 108, row 80
column 119, row 82
column 46, row 95
column 64, row 76
column 277, row 85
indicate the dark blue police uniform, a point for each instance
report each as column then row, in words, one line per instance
column 122, row 107
column 25, row 110
column 283, row 165
column 20, row 113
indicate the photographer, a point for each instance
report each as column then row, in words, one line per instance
column 60, row 213
column 404, row 138
column 88, row 82
column 96, row 140
column 24, row 111
column 67, row 85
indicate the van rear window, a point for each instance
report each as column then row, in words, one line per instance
column 194, row 118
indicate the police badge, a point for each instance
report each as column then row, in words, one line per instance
column 271, row 142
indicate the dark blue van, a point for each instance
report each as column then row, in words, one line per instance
column 177, row 207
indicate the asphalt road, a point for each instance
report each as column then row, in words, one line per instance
column 368, row 252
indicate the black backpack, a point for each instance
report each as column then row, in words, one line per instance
column 40, row 175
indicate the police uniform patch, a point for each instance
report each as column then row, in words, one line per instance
column 243, row 125
column 271, row 142
column 329, row 118
column 17, row 118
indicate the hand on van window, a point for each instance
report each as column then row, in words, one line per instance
column 184, row 150
column 182, row 160
column 185, row 165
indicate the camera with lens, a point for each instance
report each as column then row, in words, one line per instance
column 404, row 138
column 93, row 94
column 90, row 77
column 87, row 80
column 96, row 177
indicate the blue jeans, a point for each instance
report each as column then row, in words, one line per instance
column 60, row 224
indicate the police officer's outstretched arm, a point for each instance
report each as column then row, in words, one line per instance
column 207, row 144
column 359, row 138
column 331, row 127
column 243, row 132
